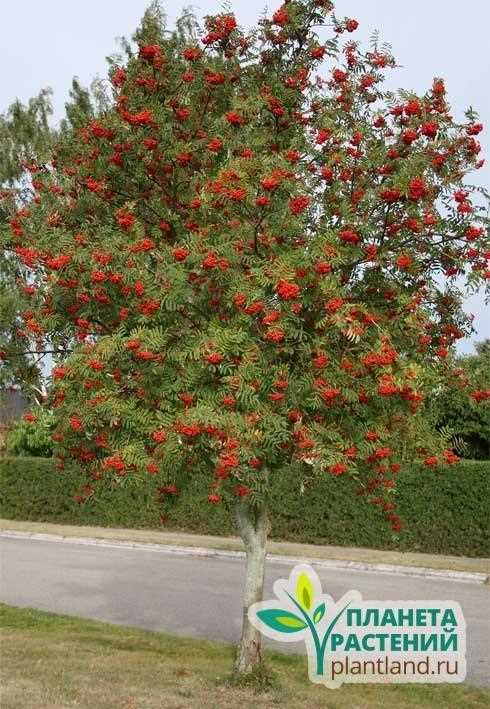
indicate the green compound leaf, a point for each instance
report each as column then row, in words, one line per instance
column 319, row 613
column 283, row 621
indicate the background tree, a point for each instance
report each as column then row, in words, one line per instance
column 255, row 257
column 27, row 141
column 32, row 435
column 467, row 417
column 25, row 135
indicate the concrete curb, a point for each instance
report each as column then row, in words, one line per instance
column 334, row 564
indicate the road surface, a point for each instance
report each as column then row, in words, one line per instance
column 199, row 596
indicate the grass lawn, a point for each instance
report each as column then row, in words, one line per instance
column 54, row 662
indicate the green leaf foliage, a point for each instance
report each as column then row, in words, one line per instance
column 32, row 439
column 466, row 419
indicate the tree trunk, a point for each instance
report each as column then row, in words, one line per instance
column 253, row 527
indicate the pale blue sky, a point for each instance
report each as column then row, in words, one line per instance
column 47, row 43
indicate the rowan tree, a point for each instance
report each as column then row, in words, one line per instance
column 255, row 255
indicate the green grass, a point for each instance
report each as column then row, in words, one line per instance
column 55, row 662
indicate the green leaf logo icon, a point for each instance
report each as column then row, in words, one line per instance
column 319, row 613
column 281, row 620
column 304, row 592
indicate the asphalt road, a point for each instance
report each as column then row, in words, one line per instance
column 200, row 597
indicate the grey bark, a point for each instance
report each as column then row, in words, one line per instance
column 253, row 526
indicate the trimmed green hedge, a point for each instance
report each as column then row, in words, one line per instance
column 445, row 511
